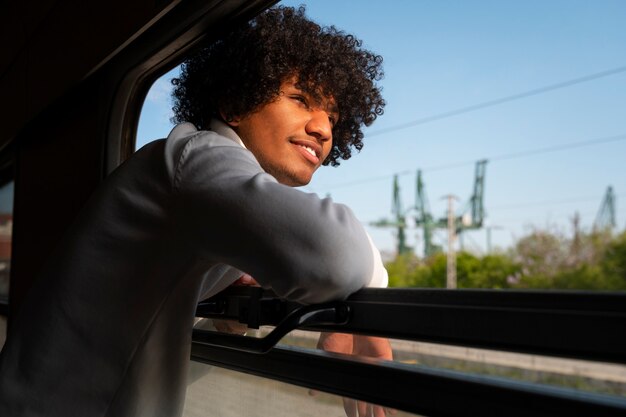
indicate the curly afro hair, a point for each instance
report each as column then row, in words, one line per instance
column 245, row 69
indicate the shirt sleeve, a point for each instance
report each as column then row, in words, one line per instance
column 230, row 211
column 380, row 278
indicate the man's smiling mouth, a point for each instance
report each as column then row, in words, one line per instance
column 309, row 150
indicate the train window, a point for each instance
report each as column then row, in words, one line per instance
column 212, row 388
column 6, row 231
column 154, row 120
column 511, row 123
column 585, row 376
column 480, row 106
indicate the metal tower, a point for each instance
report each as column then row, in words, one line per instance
column 423, row 217
column 476, row 200
column 605, row 219
column 471, row 219
column 399, row 221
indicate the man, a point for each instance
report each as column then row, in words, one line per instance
column 106, row 329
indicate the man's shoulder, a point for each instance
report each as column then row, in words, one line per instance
column 187, row 135
column 182, row 130
column 187, row 148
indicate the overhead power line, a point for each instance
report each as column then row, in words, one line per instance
column 530, row 152
column 384, row 177
column 548, row 202
column 498, row 101
column 513, row 155
column 552, row 217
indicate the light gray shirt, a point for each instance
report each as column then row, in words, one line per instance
column 106, row 329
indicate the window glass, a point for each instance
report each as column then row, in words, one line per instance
column 596, row 377
column 154, row 120
column 214, row 391
column 590, row 376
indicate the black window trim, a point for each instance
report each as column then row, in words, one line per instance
column 573, row 324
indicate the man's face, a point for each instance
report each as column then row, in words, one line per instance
column 290, row 136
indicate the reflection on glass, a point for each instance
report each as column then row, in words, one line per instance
column 597, row 377
column 6, row 231
column 589, row 376
column 214, row 391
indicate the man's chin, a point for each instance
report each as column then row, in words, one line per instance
column 295, row 180
column 297, row 183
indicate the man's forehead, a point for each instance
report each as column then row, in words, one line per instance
column 326, row 102
column 318, row 92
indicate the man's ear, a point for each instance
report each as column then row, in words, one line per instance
column 231, row 121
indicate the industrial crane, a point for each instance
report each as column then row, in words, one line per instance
column 605, row 219
column 399, row 220
column 471, row 218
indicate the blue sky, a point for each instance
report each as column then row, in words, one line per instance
column 440, row 56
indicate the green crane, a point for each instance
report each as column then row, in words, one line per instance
column 473, row 216
column 423, row 217
column 605, row 219
column 399, row 221
column 472, row 219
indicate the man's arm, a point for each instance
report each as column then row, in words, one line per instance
column 304, row 248
column 360, row 345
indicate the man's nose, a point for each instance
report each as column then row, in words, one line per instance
column 319, row 125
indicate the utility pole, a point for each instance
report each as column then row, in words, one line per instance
column 576, row 244
column 451, row 258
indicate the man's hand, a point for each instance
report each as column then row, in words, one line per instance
column 369, row 346
column 245, row 279
column 231, row 326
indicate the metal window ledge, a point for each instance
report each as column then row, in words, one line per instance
column 581, row 325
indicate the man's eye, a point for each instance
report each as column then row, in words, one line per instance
column 333, row 120
column 301, row 99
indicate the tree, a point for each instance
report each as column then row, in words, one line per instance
column 541, row 253
column 494, row 271
column 539, row 260
column 613, row 263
